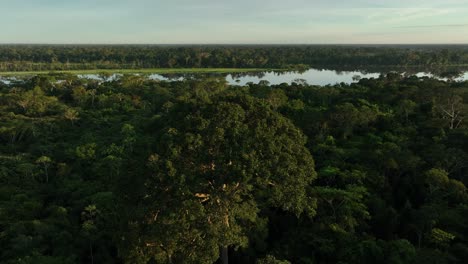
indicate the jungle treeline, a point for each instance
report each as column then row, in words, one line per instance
column 134, row 170
column 79, row 57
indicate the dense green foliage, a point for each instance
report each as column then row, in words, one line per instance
column 76, row 57
column 135, row 170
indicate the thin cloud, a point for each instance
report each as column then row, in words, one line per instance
column 434, row 26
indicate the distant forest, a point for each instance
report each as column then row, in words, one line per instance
column 135, row 170
column 77, row 57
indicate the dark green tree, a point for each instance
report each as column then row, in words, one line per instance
column 219, row 161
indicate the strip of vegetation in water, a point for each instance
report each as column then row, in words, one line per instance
column 141, row 71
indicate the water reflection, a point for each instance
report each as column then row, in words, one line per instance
column 312, row 76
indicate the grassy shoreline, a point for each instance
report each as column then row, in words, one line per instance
column 142, row 71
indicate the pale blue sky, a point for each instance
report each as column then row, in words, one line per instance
column 233, row 21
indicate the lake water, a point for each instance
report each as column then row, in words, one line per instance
column 311, row 76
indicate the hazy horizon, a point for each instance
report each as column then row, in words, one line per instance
column 254, row 22
column 232, row 44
